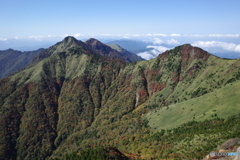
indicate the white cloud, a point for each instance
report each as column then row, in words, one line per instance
column 195, row 35
column 3, row 39
column 50, row 36
column 213, row 35
column 172, row 41
column 78, row 35
column 146, row 55
column 175, row 35
column 157, row 41
column 156, row 50
column 105, row 35
column 45, row 37
column 38, row 38
column 148, row 35
column 66, row 35
column 136, row 35
column 225, row 35
column 162, row 35
column 218, row 44
column 126, row 37
column 155, row 35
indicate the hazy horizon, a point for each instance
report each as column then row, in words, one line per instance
column 212, row 25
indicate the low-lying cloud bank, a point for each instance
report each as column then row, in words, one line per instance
column 217, row 44
column 158, row 48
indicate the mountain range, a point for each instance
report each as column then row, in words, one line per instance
column 12, row 60
column 134, row 46
column 114, row 51
column 76, row 96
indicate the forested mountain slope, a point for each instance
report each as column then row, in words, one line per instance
column 74, row 98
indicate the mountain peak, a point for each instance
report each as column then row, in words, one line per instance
column 67, row 43
column 108, row 51
column 93, row 42
column 191, row 52
column 188, row 52
column 69, row 39
column 10, row 49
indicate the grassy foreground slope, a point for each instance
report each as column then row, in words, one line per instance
column 220, row 103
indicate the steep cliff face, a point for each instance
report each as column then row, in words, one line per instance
column 78, row 96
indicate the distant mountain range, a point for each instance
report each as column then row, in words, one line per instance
column 132, row 45
column 114, row 51
column 12, row 60
column 25, row 44
column 78, row 99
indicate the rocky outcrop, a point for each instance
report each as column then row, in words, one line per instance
column 231, row 147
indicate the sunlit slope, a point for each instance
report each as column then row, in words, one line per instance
column 221, row 103
column 69, row 64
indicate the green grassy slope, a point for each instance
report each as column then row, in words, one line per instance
column 116, row 47
column 220, row 103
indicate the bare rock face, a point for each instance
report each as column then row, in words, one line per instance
column 238, row 152
column 230, row 146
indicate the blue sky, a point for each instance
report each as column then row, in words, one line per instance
column 209, row 24
column 24, row 18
